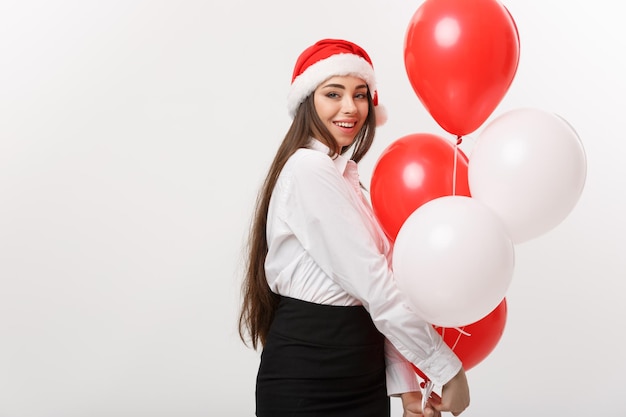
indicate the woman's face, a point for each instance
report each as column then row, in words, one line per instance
column 342, row 105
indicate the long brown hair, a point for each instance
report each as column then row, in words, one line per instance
column 259, row 302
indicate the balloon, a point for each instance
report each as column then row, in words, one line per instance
column 480, row 338
column 453, row 259
column 461, row 57
column 529, row 166
column 411, row 171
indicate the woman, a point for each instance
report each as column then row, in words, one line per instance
column 319, row 294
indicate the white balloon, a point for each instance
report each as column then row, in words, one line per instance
column 453, row 259
column 529, row 166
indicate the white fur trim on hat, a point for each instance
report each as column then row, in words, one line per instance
column 335, row 65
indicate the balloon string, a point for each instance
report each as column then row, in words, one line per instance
column 427, row 389
column 459, row 139
column 461, row 333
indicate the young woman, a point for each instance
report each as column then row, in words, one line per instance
column 319, row 294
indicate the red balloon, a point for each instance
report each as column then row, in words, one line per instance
column 461, row 57
column 484, row 336
column 411, row 171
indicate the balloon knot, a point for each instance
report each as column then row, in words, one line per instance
column 459, row 139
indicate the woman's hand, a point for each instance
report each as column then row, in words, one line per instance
column 412, row 404
column 454, row 395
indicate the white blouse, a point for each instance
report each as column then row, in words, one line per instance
column 326, row 247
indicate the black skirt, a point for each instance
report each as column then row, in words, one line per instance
column 322, row 360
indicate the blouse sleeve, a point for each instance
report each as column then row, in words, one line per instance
column 324, row 214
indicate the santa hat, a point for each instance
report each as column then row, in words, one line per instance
column 328, row 58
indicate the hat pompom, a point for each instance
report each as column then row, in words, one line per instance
column 381, row 115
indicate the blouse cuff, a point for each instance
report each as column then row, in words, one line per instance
column 441, row 367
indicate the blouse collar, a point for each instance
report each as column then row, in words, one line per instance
column 340, row 161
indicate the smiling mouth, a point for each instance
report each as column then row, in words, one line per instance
column 345, row 124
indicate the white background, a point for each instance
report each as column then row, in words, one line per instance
column 133, row 138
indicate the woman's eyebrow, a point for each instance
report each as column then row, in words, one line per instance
column 342, row 86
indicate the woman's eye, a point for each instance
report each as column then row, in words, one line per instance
column 332, row 95
column 361, row 95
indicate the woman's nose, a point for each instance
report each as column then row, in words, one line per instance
column 348, row 105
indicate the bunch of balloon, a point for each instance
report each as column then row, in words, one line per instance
column 453, row 255
column 455, row 221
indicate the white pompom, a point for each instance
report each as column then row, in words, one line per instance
column 381, row 115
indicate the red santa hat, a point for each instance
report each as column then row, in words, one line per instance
column 329, row 58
